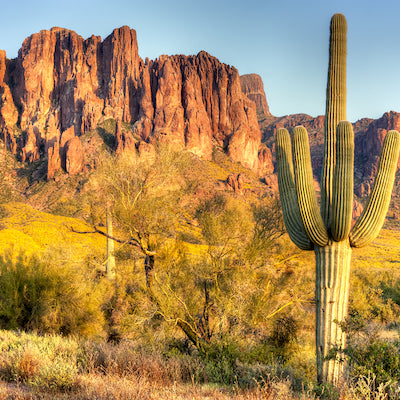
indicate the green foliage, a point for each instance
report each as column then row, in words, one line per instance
column 142, row 193
column 374, row 297
column 373, row 354
column 223, row 287
column 378, row 357
column 47, row 297
column 374, row 362
column 268, row 226
column 326, row 391
column 229, row 286
column 221, row 363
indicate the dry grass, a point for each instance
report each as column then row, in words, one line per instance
column 51, row 367
column 105, row 387
column 102, row 371
column 100, row 387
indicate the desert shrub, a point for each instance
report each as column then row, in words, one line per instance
column 326, row 391
column 377, row 357
column 40, row 361
column 45, row 296
column 374, row 361
column 128, row 359
column 221, row 363
column 374, row 296
column 284, row 334
column 366, row 388
column 58, row 363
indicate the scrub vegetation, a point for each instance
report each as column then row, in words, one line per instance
column 209, row 298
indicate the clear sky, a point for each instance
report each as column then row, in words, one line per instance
column 284, row 41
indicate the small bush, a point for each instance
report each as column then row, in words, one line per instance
column 48, row 361
column 378, row 358
column 367, row 388
column 221, row 362
column 47, row 297
column 284, row 335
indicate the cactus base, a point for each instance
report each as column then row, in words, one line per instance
column 332, row 293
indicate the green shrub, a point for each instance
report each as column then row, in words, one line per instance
column 221, row 362
column 46, row 296
column 378, row 357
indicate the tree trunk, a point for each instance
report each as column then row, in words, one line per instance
column 110, row 265
column 331, row 292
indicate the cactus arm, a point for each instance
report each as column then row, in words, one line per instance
column 342, row 201
column 287, row 192
column 368, row 226
column 313, row 224
column 335, row 109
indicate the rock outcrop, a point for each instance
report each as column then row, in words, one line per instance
column 124, row 141
column 368, row 148
column 370, row 142
column 30, row 151
column 71, row 84
column 235, row 182
column 8, row 111
column 74, row 157
column 253, row 88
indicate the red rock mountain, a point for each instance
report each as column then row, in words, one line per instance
column 253, row 88
column 369, row 136
column 61, row 86
column 372, row 139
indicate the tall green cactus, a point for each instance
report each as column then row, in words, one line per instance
column 328, row 232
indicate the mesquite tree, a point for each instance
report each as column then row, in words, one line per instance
column 329, row 231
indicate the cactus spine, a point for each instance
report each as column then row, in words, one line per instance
column 329, row 231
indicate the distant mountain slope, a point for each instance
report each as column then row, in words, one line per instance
column 31, row 231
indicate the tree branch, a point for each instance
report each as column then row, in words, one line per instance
column 132, row 241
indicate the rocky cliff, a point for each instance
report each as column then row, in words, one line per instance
column 253, row 88
column 61, row 86
column 369, row 144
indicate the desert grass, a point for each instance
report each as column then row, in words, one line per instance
column 95, row 386
column 53, row 367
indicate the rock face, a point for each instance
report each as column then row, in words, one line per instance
column 368, row 146
column 74, row 156
column 62, row 83
column 253, row 88
column 8, row 111
column 30, row 152
column 235, row 181
column 370, row 143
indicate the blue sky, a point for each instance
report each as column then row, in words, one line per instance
column 284, row 41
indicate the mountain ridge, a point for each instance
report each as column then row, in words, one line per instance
column 62, row 86
column 59, row 81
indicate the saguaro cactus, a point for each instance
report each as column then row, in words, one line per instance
column 328, row 232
